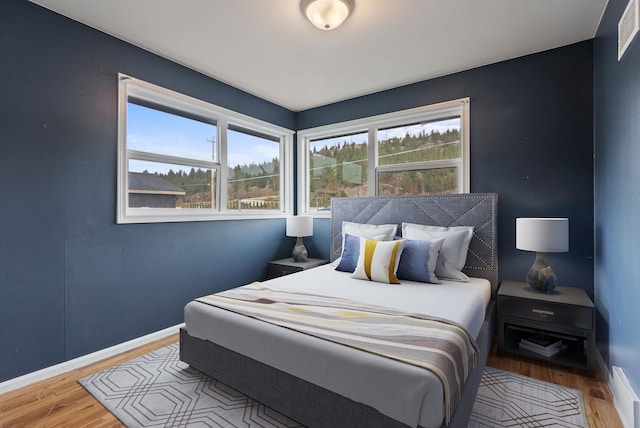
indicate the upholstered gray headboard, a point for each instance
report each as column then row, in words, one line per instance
column 466, row 209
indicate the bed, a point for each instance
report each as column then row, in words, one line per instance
column 319, row 382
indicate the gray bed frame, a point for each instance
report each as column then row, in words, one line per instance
column 314, row 406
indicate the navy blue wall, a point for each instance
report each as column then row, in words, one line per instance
column 72, row 281
column 531, row 142
column 617, row 190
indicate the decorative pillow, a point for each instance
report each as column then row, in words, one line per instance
column 453, row 254
column 369, row 231
column 378, row 260
column 349, row 259
column 418, row 260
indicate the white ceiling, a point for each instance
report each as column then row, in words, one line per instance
column 267, row 48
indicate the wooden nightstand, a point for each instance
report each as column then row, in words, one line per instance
column 287, row 266
column 566, row 314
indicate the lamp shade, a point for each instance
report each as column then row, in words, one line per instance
column 542, row 234
column 300, row 226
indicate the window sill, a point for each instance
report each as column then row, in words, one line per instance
column 188, row 217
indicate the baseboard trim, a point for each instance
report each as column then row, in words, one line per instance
column 85, row 360
column 624, row 398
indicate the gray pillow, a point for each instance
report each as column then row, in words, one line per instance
column 377, row 232
column 419, row 259
column 453, row 254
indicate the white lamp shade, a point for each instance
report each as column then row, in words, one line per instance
column 326, row 14
column 300, row 226
column 545, row 235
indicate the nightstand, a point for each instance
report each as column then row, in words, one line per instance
column 567, row 315
column 287, row 266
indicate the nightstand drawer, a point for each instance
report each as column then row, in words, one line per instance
column 287, row 266
column 541, row 311
column 276, row 270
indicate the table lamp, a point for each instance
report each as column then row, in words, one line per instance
column 542, row 235
column 299, row 226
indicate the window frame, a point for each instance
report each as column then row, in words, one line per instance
column 434, row 112
column 130, row 87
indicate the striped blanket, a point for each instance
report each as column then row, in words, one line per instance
column 437, row 345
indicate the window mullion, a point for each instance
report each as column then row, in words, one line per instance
column 222, row 190
column 464, row 173
column 304, row 174
column 445, row 163
column 286, row 174
column 154, row 157
column 372, row 176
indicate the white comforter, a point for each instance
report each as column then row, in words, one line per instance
column 401, row 391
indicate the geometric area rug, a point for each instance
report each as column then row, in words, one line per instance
column 510, row 400
column 158, row 390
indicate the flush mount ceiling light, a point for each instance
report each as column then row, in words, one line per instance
column 326, row 14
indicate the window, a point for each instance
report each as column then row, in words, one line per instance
column 417, row 151
column 181, row 159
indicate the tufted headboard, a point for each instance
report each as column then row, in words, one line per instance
column 466, row 209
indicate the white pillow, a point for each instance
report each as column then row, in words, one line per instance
column 453, row 254
column 378, row 260
column 369, row 231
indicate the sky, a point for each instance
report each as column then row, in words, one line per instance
column 154, row 131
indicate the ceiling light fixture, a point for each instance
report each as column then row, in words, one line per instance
column 326, row 14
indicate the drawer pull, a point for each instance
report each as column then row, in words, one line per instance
column 542, row 312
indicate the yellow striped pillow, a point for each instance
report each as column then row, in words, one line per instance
column 378, row 260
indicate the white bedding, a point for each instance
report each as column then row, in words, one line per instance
column 404, row 392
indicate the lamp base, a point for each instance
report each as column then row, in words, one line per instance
column 299, row 252
column 541, row 277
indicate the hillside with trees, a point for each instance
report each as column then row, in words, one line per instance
column 336, row 170
column 341, row 169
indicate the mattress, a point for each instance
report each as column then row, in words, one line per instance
column 404, row 392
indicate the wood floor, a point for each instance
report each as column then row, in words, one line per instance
column 62, row 402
